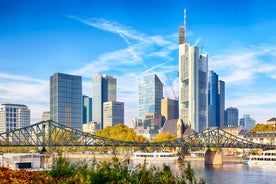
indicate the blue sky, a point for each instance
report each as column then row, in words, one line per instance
column 128, row 39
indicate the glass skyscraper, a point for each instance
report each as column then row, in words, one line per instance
column 213, row 100
column 150, row 95
column 87, row 109
column 104, row 90
column 231, row 117
column 193, row 69
column 66, row 100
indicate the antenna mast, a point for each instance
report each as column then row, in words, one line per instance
column 184, row 22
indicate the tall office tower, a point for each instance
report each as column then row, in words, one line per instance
column 169, row 109
column 104, row 90
column 13, row 116
column 216, row 101
column 213, row 101
column 193, row 68
column 66, row 100
column 221, row 93
column 113, row 113
column 87, row 109
column 46, row 116
column 150, row 95
column 231, row 117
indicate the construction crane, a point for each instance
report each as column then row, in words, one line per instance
column 175, row 97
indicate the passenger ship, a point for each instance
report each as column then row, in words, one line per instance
column 164, row 156
column 268, row 157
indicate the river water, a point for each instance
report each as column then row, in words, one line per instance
column 231, row 173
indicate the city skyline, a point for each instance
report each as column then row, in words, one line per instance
column 127, row 39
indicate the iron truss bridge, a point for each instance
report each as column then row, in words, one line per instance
column 50, row 133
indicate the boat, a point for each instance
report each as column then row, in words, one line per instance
column 163, row 156
column 268, row 157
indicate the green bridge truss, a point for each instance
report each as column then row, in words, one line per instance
column 50, row 133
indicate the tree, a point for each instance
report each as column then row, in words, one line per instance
column 163, row 136
column 262, row 128
column 121, row 132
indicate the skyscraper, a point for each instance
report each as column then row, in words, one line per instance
column 216, row 101
column 87, row 109
column 13, row 116
column 231, row 117
column 221, row 93
column 213, row 101
column 104, row 90
column 113, row 113
column 150, row 95
column 66, row 100
column 193, row 68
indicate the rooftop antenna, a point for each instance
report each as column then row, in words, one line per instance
column 185, row 22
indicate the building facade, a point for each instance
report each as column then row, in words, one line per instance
column 221, row 94
column 13, row 116
column 150, row 95
column 193, row 69
column 216, row 101
column 46, row 116
column 169, row 109
column 247, row 122
column 231, row 117
column 104, row 90
column 213, row 101
column 113, row 113
column 66, row 100
column 87, row 109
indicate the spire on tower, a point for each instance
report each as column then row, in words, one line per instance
column 182, row 31
column 184, row 22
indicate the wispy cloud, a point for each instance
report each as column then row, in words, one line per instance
column 22, row 89
column 140, row 47
column 243, row 64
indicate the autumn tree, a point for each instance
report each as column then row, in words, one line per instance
column 121, row 132
column 263, row 128
column 163, row 136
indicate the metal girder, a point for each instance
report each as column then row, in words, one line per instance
column 50, row 133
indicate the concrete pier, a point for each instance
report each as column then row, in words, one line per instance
column 213, row 157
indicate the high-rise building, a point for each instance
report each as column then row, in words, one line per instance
column 169, row 109
column 104, row 90
column 113, row 113
column 13, row 116
column 193, row 69
column 66, row 100
column 213, row 101
column 87, row 109
column 150, row 95
column 247, row 122
column 221, row 93
column 46, row 116
column 231, row 117
column 216, row 101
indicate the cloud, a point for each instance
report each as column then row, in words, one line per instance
column 140, row 48
column 20, row 89
column 243, row 64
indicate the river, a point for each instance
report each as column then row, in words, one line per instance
column 231, row 173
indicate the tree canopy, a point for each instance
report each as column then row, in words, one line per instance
column 121, row 132
column 163, row 136
column 263, row 128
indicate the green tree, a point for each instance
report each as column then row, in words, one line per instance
column 163, row 136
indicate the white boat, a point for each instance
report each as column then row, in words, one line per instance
column 268, row 157
column 164, row 156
